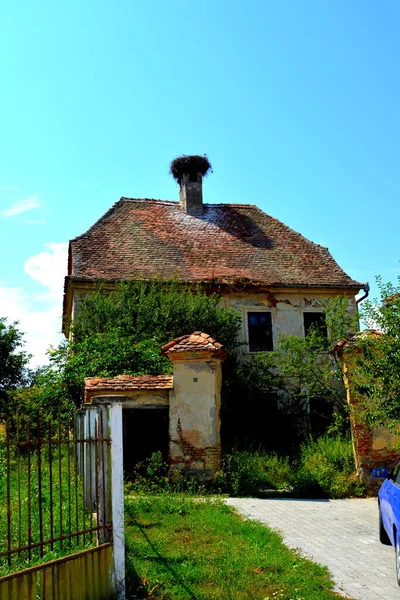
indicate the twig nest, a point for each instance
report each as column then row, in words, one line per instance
column 191, row 165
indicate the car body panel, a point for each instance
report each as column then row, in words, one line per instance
column 389, row 503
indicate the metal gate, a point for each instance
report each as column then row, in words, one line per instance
column 56, row 500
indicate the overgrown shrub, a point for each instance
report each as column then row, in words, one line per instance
column 326, row 469
column 151, row 477
column 250, row 472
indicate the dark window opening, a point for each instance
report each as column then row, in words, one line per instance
column 315, row 321
column 145, row 431
column 259, row 326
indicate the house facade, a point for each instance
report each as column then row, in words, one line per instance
column 271, row 274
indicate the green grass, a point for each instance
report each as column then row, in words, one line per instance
column 180, row 548
column 323, row 468
column 67, row 501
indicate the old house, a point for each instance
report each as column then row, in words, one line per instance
column 270, row 273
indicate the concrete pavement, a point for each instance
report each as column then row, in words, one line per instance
column 341, row 534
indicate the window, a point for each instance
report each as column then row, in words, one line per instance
column 315, row 320
column 259, row 326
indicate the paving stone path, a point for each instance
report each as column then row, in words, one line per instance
column 341, row 534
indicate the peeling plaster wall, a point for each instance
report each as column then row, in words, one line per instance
column 286, row 309
column 194, row 415
column 132, row 398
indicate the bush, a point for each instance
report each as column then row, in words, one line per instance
column 327, row 470
column 151, row 477
column 250, row 473
column 324, row 468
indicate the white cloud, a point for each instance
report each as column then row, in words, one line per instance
column 39, row 314
column 21, row 206
column 50, row 267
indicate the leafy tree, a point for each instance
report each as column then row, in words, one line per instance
column 298, row 385
column 121, row 332
column 309, row 365
column 155, row 310
column 377, row 372
column 13, row 360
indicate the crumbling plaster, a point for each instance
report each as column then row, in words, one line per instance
column 194, row 415
column 286, row 308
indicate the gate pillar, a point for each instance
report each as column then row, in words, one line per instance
column 195, row 404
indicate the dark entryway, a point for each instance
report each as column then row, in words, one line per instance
column 145, row 432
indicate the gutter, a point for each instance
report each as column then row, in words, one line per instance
column 366, row 289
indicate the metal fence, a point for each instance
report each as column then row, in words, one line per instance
column 54, row 489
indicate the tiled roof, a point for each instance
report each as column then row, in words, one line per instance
column 129, row 382
column 360, row 335
column 190, row 343
column 140, row 239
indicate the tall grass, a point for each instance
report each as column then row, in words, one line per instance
column 324, row 468
column 327, row 469
column 27, row 518
column 247, row 473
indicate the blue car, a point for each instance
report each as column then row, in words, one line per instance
column 389, row 510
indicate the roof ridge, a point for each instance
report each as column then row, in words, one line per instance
column 176, row 202
column 158, row 200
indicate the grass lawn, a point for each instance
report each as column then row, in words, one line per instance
column 182, row 549
column 60, row 489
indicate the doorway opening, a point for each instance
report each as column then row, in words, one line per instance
column 145, row 431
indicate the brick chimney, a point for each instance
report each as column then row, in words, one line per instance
column 189, row 172
column 191, row 193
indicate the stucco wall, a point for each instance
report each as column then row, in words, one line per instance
column 286, row 309
column 132, row 398
column 194, row 415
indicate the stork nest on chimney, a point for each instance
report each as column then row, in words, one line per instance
column 190, row 165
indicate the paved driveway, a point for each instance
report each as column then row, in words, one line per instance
column 341, row 534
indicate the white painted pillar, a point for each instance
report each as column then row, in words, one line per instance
column 117, row 501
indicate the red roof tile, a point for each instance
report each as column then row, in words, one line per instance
column 360, row 335
column 139, row 239
column 190, row 343
column 129, row 382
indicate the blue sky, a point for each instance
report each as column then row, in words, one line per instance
column 296, row 103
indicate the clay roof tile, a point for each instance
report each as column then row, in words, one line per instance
column 229, row 243
column 194, row 342
column 130, row 382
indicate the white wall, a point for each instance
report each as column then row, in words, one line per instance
column 287, row 314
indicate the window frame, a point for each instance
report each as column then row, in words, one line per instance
column 319, row 312
column 258, row 309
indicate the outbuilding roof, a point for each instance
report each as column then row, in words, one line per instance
column 190, row 343
column 125, row 383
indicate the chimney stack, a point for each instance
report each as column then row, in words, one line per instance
column 189, row 172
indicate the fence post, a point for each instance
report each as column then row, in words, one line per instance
column 109, row 412
column 117, row 503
